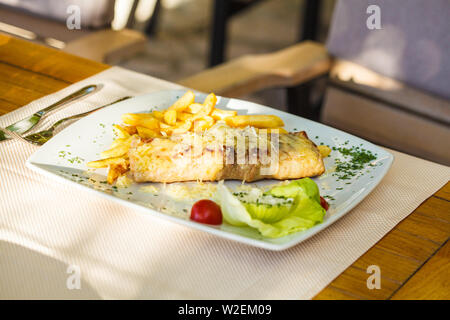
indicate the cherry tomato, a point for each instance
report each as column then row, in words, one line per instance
column 324, row 203
column 206, row 211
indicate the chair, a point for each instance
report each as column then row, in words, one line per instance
column 395, row 98
column 44, row 21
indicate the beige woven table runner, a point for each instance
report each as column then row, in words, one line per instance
column 51, row 230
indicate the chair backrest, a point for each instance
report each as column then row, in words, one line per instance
column 412, row 46
column 94, row 14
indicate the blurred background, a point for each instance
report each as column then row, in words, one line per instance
column 179, row 34
column 388, row 84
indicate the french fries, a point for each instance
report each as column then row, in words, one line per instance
column 257, row 121
column 130, row 129
column 183, row 116
column 182, row 127
column 194, row 108
column 219, row 114
column 158, row 115
column 203, row 123
column 208, row 104
column 117, row 166
column 165, row 128
column 117, row 142
column 147, row 133
column 184, row 102
column 133, row 119
column 140, row 119
column 120, row 132
column 104, row 163
column 115, row 170
column 118, row 150
column 170, row 117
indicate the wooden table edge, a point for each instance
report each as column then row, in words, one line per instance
column 335, row 291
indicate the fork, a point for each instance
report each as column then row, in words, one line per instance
column 29, row 122
column 41, row 137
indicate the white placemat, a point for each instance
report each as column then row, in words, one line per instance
column 50, row 231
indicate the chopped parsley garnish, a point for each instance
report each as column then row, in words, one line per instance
column 75, row 160
column 355, row 159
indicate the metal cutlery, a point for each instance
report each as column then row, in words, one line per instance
column 43, row 136
column 28, row 123
column 12, row 134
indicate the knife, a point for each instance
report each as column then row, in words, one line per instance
column 28, row 123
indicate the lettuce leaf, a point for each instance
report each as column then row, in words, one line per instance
column 304, row 213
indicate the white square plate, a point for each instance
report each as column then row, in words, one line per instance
column 64, row 157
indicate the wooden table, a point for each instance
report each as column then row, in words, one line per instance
column 414, row 257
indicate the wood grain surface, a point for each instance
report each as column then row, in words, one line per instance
column 414, row 257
